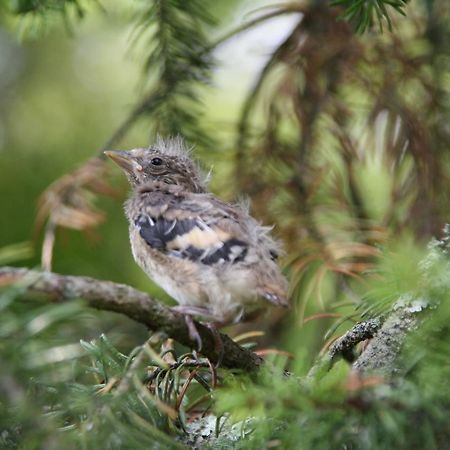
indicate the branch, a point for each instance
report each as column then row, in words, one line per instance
column 387, row 338
column 109, row 296
column 344, row 346
column 381, row 354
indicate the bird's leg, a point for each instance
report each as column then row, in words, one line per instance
column 189, row 312
column 204, row 313
column 211, row 323
column 193, row 332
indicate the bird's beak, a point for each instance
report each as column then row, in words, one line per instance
column 122, row 158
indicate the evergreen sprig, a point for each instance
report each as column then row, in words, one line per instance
column 46, row 6
column 177, row 64
column 36, row 17
column 364, row 13
column 89, row 395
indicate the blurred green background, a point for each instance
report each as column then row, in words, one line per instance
column 63, row 94
column 66, row 85
column 339, row 139
column 334, row 125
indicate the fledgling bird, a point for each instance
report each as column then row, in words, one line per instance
column 212, row 257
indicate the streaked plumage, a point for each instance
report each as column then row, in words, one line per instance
column 212, row 257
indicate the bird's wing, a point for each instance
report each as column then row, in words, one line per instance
column 203, row 230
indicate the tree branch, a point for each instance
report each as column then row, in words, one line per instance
column 137, row 305
column 344, row 346
column 381, row 354
column 387, row 338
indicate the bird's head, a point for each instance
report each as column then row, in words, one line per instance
column 168, row 161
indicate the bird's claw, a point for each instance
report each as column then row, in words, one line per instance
column 193, row 332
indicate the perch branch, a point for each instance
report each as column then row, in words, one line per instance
column 137, row 305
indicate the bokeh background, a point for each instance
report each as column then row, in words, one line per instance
column 66, row 87
column 338, row 136
column 338, row 139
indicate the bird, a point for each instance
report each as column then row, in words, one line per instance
column 212, row 257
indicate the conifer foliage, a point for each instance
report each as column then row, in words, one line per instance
column 341, row 96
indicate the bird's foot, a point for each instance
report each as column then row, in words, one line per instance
column 189, row 312
column 212, row 324
column 193, row 332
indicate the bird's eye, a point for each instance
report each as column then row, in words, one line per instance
column 156, row 161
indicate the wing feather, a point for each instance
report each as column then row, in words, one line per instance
column 192, row 239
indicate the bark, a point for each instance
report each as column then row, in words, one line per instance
column 381, row 354
column 385, row 337
column 120, row 298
